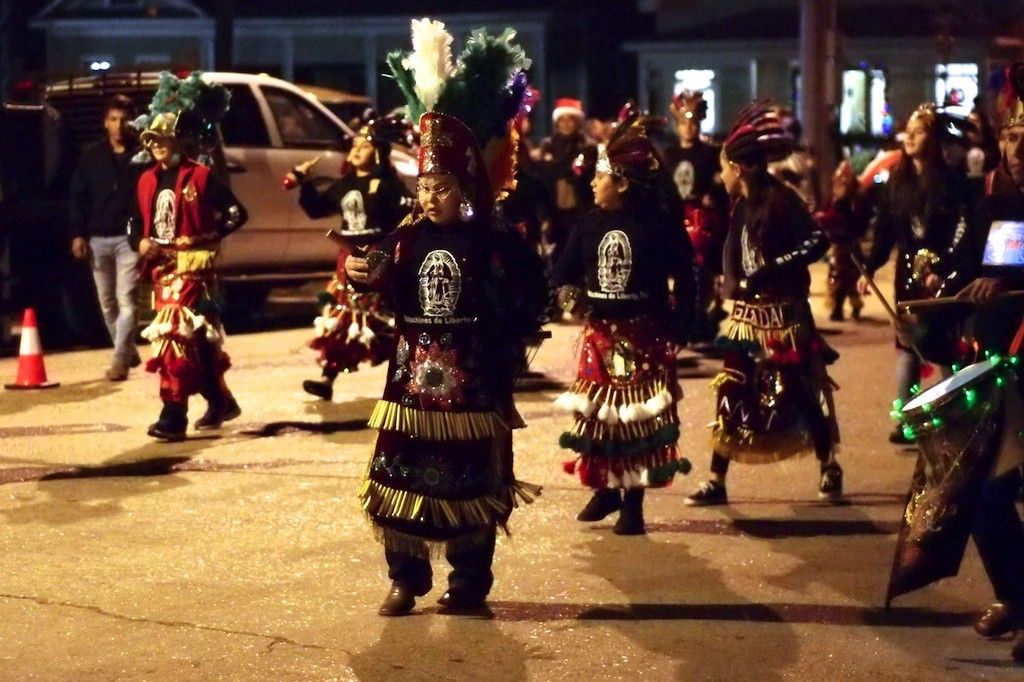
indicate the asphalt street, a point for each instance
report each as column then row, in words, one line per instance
column 243, row 554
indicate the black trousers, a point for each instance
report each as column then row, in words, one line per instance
column 999, row 536
column 471, row 567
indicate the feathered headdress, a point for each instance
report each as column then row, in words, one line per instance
column 188, row 108
column 629, row 151
column 464, row 109
column 689, row 104
column 759, row 135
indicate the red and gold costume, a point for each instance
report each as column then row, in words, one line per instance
column 186, row 333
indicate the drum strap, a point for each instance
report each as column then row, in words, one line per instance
column 1018, row 339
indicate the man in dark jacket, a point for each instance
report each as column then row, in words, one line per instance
column 101, row 199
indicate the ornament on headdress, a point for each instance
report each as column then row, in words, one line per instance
column 187, row 109
column 465, row 109
column 629, row 151
column 689, row 104
column 759, row 135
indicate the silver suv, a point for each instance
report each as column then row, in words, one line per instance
column 271, row 127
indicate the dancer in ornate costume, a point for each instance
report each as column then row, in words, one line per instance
column 353, row 326
column 774, row 397
column 184, row 210
column 622, row 255
column 466, row 293
column 693, row 165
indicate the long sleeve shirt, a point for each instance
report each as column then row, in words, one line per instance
column 102, row 190
column 370, row 207
column 770, row 258
column 624, row 267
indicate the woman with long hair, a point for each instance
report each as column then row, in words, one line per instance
column 923, row 212
column 774, row 397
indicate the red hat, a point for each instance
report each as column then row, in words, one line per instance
column 566, row 106
column 447, row 145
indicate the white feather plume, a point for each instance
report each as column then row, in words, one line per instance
column 430, row 60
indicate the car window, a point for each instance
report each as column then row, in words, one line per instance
column 243, row 124
column 300, row 123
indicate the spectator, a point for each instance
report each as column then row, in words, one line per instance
column 101, row 198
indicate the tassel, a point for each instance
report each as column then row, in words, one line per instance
column 569, row 466
column 353, row 332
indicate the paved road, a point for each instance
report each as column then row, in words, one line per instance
column 243, row 555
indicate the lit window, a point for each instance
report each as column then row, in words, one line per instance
column 956, row 85
column 881, row 117
column 853, row 111
column 703, row 80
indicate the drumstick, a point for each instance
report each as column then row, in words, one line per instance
column 874, row 288
column 888, row 308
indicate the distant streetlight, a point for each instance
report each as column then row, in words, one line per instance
column 100, row 66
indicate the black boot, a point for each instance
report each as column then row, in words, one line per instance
column 603, row 503
column 631, row 518
column 171, row 424
column 321, row 388
column 217, row 412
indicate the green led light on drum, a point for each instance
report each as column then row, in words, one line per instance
column 955, row 367
column 1000, row 381
column 1014, row 361
column 970, row 397
column 927, row 407
column 915, row 389
column 937, row 423
column 908, row 432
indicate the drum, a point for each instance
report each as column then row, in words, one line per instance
column 957, row 425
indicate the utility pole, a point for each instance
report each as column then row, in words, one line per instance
column 818, row 91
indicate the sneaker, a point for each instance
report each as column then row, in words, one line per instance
column 836, row 316
column 603, row 503
column 321, row 388
column 117, row 373
column 216, row 415
column 831, row 485
column 709, row 493
column 897, row 438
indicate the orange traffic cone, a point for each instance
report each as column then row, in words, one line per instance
column 31, row 370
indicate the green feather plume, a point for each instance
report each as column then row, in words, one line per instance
column 486, row 67
column 406, row 83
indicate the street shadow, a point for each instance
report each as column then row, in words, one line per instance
column 818, row 566
column 665, row 581
column 14, row 402
column 422, row 647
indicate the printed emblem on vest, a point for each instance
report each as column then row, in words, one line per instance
column 440, row 284
column 163, row 216
column 614, row 262
column 684, row 179
column 353, row 210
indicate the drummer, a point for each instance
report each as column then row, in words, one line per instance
column 998, row 532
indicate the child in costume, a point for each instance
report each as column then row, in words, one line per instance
column 466, row 293
column 184, row 210
column 623, row 254
column 774, row 398
column 693, row 165
column 353, row 326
